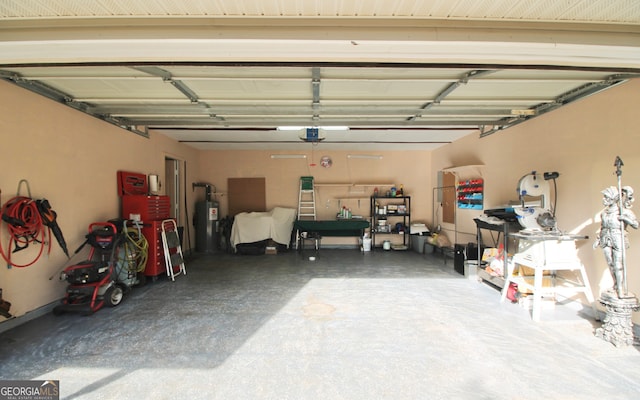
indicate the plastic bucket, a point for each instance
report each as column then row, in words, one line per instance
column 366, row 244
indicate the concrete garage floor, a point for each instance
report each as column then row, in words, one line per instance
column 380, row 325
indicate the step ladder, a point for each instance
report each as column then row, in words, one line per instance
column 307, row 199
column 173, row 259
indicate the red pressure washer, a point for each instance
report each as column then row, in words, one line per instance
column 93, row 283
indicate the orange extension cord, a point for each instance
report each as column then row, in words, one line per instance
column 25, row 226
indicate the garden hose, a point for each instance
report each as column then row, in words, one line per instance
column 25, row 226
column 129, row 254
column 136, row 243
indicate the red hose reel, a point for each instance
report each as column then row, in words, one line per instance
column 29, row 221
column 25, row 226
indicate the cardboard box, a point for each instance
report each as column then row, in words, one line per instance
column 271, row 250
column 271, row 247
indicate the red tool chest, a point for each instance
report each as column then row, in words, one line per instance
column 152, row 230
column 152, row 210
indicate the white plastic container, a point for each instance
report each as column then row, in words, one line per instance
column 366, row 244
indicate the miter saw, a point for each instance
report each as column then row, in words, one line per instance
column 534, row 212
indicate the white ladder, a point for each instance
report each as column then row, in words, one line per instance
column 307, row 199
column 172, row 249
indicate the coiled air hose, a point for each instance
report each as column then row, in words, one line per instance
column 137, row 241
column 136, row 249
column 25, row 226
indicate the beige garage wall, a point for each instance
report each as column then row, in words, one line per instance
column 412, row 169
column 581, row 142
column 70, row 159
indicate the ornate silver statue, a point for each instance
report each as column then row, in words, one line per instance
column 612, row 236
column 617, row 327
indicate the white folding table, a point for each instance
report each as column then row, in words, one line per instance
column 546, row 254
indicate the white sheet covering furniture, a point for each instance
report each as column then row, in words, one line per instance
column 277, row 225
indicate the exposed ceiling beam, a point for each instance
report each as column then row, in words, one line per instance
column 566, row 98
column 450, row 88
column 68, row 100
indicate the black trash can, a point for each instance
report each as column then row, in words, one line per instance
column 458, row 258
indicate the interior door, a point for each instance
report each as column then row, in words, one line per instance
column 448, row 198
column 173, row 187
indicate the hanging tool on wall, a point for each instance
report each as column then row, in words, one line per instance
column 28, row 221
column 49, row 219
column 24, row 226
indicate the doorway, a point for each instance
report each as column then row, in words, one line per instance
column 174, row 187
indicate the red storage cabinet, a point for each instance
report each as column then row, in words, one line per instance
column 150, row 208
column 152, row 230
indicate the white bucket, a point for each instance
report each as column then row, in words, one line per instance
column 366, row 244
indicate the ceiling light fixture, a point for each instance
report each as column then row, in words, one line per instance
column 283, row 156
column 523, row 113
column 301, row 128
column 365, row 156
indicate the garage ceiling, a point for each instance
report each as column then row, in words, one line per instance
column 399, row 74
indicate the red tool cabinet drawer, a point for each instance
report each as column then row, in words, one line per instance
column 150, row 208
column 152, row 231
